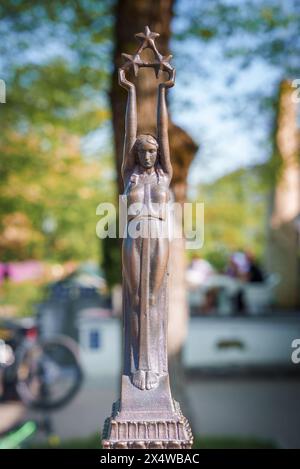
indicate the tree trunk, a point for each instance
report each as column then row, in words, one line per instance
column 283, row 231
column 131, row 17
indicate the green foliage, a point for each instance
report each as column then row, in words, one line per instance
column 234, row 215
column 218, row 258
column 49, row 178
column 56, row 67
column 19, row 299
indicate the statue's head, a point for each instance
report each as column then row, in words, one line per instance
column 146, row 150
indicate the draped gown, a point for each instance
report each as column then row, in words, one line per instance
column 145, row 261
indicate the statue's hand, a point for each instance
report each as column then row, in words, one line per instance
column 171, row 82
column 123, row 80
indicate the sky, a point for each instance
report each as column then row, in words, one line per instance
column 230, row 131
column 230, row 135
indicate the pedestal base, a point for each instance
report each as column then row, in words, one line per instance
column 141, row 434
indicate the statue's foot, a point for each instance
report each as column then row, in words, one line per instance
column 139, row 379
column 151, row 380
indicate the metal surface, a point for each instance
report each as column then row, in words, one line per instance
column 146, row 415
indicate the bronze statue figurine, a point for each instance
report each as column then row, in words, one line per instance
column 146, row 415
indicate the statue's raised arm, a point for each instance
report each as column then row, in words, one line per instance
column 162, row 125
column 130, row 126
column 160, row 64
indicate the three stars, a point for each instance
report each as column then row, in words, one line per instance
column 147, row 39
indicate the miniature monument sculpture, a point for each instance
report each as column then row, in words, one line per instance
column 146, row 416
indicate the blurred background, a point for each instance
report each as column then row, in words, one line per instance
column 234, row 315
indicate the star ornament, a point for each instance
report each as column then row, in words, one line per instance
column 163, row 65
column 147, row 38
column 132, row 61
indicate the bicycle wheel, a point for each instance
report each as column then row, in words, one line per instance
column 48, row 373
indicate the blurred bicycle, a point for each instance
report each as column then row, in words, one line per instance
column 44, row 374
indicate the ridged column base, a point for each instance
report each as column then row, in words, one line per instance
column 147, row 434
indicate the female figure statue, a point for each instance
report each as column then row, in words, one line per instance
column 146, row 172
column 146, row 415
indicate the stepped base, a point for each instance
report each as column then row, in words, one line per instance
column 141, row 434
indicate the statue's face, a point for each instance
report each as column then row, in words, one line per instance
column 147, row 155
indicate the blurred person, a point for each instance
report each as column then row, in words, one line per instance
column 232, row 268
column 242, row 264
column 255, row 273
column 199, row 270
column 238, row 268
column 244, row 267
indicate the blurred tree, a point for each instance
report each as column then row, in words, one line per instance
column 55, row 98
column 53, row 91
column 131, row 17
column 56, row 60
column 233, row 201
column 45, row 177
